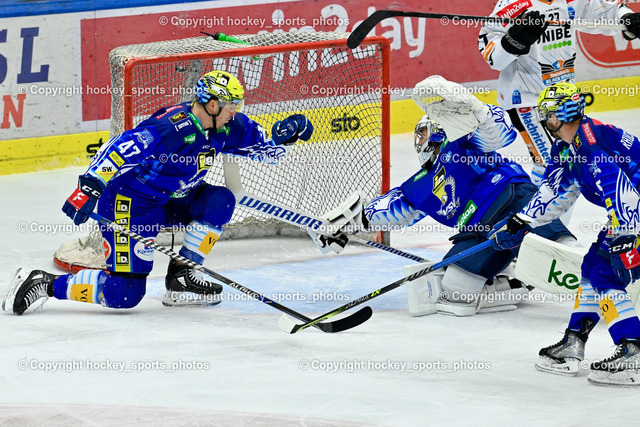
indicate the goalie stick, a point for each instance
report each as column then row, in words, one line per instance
column 343, row 324
column 287, row 325
column 278, row 210
column 360, row 32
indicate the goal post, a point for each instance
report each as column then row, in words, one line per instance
column 343, row 92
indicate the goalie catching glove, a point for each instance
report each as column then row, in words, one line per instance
column 83, row 200
column 289, row 130
column 348, row 218
column 451, row 105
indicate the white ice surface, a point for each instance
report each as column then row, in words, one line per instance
column 247, row 372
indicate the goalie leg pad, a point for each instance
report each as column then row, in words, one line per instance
column 423, row 292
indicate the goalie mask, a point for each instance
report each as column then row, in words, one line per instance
column 221, row 86
column 428, row 137
column 563, row 100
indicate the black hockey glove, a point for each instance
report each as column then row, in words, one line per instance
column 528, row 29
column 632, row 22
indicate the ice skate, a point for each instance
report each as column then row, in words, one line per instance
column 189, row 287
column 564, row 357
column 620, row 370
column 25, row 289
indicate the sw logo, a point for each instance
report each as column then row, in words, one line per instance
column 568, row 280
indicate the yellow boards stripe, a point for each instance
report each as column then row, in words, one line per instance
column 335, row 123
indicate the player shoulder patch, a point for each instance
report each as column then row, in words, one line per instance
column 178, row 117
column 145, row 137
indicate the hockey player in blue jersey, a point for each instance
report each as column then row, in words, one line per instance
column 464, row 184
column 602, row 162
column 152, row 176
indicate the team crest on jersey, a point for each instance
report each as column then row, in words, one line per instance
column 205, row 160
column 444, row 188
column 144, row 137
column 178, row 117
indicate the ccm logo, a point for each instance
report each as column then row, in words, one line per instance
column 89, row 190
column 625, row 247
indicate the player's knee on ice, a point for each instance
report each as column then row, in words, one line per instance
column 114, row 290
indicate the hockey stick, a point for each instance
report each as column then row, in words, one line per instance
column 287, row 325
column 360, row 32
column 337, row 326
column 290, row 215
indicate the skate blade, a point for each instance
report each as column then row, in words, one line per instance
column 617, row 379
column 192, row 304
column 18, row 279
column 570, row 368
column 188, row 299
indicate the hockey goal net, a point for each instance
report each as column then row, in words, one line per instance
column 342, row 91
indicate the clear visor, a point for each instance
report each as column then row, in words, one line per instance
column 235, row 105
column 543, row 113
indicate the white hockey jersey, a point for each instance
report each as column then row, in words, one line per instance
column 552, row 58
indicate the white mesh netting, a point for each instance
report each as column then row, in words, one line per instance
column 340, row 90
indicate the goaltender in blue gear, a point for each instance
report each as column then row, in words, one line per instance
column 464, row 184
column 602, row 162
column 152, row 177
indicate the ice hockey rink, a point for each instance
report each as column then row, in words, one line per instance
column 80, row 364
